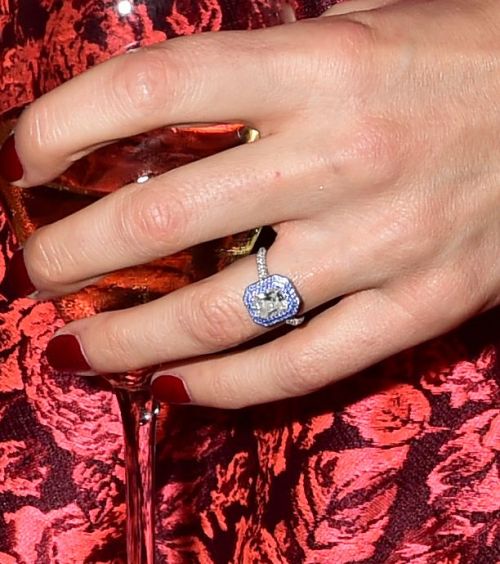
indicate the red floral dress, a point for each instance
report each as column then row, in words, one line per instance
column 398, row 464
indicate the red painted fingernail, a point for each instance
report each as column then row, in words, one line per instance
column 17, row 283
column 170, row 389
column 11, row 168
column 65, row 354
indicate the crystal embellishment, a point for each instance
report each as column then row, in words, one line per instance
column 272, row 300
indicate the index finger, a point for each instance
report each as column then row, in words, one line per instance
column 211, row 77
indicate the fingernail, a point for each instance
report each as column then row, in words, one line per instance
column 170, row 389
column 11, row 168
column 64, row 353
column 17, row 283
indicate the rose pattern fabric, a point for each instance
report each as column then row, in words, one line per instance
column 398, row 464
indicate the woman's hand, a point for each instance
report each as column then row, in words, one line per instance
column 379, row 167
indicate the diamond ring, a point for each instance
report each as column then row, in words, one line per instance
column 273, row 299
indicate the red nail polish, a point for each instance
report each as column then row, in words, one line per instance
column 65, row 354
column 170, row 389
column 17, row 283
column 11, row 168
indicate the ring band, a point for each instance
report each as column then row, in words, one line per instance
column 273, row 299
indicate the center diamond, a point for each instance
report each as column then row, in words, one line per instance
column 272, row 300
column 271, row 303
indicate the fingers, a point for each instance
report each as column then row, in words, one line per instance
column 209, row 316
column 361, row 330
column 233, row 191
column 194, row 79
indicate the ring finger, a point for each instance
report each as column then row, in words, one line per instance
column 209, row 316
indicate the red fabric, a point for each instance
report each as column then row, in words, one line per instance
column 395, row 465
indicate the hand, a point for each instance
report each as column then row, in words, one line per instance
column 378, row 167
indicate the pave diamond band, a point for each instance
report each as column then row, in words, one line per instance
column 273, row 299
column 262, row 269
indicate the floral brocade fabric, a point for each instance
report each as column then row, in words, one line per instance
column 398, row 464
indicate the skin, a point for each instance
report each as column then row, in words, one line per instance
column 378, row 167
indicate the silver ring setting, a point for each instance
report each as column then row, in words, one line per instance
column 273, row 299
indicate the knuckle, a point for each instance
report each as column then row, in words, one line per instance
column 413, row 231
column 347, row 45
column 115, row 349
column 373, row 153
column 301, row 371
column 225, row 390
column 401, row 238
column 217, row 321
column 39, row 128
column 340, row 49
column 440, row 297
column 152, row 223
column 463, row 289
column 346, row 35
column 140, row 80
column 48, row 265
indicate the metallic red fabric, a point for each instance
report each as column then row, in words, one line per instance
column 395, row 465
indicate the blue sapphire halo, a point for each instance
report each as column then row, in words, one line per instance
column 273, row 299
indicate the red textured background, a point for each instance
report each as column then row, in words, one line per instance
column 395, row 465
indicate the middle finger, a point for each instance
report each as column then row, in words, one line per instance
column 239, row 189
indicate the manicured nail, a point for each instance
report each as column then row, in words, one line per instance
column 65, row 354
column 17, row 283
column 11, row 168
column 170, row 389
